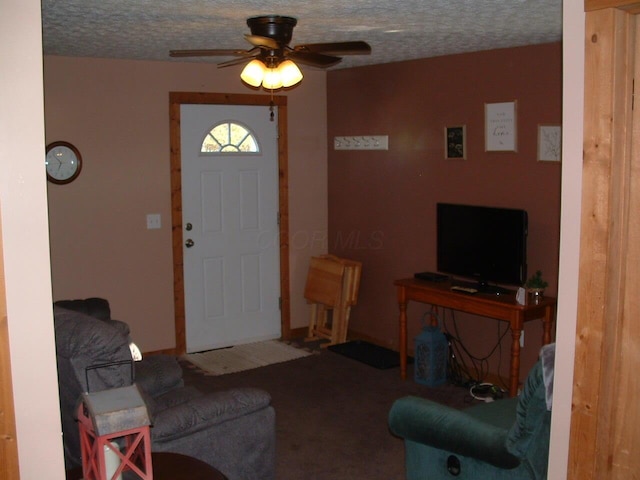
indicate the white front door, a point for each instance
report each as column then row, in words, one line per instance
column 230, row 225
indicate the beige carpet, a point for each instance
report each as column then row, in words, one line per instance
column 245, row 357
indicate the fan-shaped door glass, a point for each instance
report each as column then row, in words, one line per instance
column 228, row 138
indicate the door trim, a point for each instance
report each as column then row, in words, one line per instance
column 603, row 418
column 8, row 433
column 175, row 100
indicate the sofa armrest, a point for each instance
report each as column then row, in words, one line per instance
column 422, row 421
column 158, row 374
column 207, row 410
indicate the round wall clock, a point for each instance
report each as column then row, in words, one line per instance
column 63, row 162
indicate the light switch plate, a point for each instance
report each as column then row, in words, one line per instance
column 154, row 221
column 361, row 142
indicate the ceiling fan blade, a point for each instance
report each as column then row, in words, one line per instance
column 209, row 53
column 337, row 48
column 235, row 61
column 313, row 59
column 259, row 41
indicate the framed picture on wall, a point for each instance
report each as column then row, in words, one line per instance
column 549, row 143
column 455, row 142
column 500, row 125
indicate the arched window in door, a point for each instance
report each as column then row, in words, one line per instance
column 229, row 137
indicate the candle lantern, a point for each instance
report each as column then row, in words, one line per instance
column 114, row 435
column 431, row 357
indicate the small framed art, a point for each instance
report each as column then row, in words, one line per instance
column 500, row 125
column 549, row 143
column 455, row 142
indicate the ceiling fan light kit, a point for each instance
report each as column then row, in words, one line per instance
column 290, row 73
column 253, row 73
column 271, row 62
column 272, row 80
column 286, row 74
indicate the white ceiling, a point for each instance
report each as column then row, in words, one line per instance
column 396, row 30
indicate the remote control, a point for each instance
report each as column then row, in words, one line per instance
column 468, row 290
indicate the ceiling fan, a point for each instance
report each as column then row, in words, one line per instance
column 272, row 59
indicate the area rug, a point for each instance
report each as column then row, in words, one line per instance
column 245, row 357
column 368, row 353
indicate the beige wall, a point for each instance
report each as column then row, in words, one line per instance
column 23, row 213
column 117, row 113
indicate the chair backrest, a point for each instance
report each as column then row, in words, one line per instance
column 94, row 307
column 83, row 342
column 86, row 342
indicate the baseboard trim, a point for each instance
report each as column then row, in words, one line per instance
column 295, row 333
column 166, row 351
column 351, row 335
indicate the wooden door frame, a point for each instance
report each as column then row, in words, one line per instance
column 604, row 424
column 176, row 99
column 8, row 435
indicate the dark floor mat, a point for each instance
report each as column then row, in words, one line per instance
column 368, row 353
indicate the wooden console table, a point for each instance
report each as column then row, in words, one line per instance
column 501, row 307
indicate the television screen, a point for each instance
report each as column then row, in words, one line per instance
column 486, row 244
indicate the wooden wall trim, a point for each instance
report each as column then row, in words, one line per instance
column 9, row 469
column 631, row 6
column 283, row 168
column 604, row 290
column 175, row 100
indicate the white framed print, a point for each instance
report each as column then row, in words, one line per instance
column 500, row 124
column 549, row 143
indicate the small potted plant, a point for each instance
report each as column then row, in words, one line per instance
column 536, row 285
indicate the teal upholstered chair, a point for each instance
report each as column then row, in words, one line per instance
column 506, row 439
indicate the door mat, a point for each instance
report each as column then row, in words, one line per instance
column 368, row 353
column 245, row 357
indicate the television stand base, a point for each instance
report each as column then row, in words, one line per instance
column 493, row 290
column 431, row 276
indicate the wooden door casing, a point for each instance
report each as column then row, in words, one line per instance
column 175, row 100
column 605, row 424
column 8, row 442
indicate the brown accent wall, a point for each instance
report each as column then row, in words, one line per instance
column 382, row 203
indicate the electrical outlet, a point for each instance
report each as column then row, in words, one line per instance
column 521, row 338
column 153, row 221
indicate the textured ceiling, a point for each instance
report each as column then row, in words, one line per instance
column 398, row 30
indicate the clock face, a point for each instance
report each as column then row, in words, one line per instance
column 63, row 162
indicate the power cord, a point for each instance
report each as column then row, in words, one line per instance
column 486, row 392
column 470, row 373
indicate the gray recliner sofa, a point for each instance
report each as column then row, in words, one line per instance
column 232, row 430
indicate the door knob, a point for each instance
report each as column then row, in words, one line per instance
column 189, row 243
column 188, row 227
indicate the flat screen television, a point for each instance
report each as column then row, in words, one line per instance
column 486, row 244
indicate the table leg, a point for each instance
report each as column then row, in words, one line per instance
column 514, row 376
column 403, row 339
